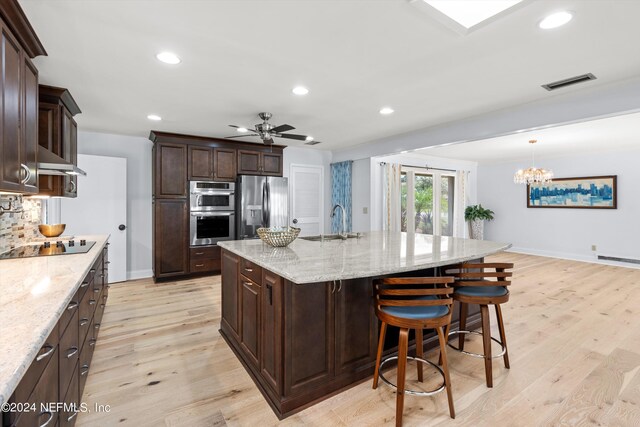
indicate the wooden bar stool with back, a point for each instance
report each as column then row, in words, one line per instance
column 413, row 303
column 475, row 285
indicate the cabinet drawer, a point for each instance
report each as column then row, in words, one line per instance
column 84, row 324
column 251, row 270
column 69, row 312
column 205, row 252
column 69, row 412
column 202, row 265
column 31, row 377
column 69, row 351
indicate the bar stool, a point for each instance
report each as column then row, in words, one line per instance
column 474, row 285
column 413, row 303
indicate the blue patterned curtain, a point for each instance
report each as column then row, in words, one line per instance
column 341, row 193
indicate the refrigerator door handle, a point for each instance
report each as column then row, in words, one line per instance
column 266, row 181
column 265, row 218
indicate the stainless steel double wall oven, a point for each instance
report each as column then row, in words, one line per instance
column 212, row 212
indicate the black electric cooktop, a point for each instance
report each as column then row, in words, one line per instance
column 69, row 247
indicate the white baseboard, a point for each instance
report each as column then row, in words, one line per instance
column 568, row 256
column 139, row 274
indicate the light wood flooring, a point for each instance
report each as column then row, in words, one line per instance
column 574, row 342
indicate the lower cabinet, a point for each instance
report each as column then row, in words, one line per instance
column 204, row 259
column 58, row 373
column 170, row 242
column 300, row 342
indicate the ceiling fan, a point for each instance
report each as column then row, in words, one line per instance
column 266, row 131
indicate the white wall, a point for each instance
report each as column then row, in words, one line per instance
column 566, row 233
column 137, row 151
column 309, row 156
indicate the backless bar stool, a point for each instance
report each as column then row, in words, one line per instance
column 475, row 285
column 413, row 303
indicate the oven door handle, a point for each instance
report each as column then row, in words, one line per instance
column 212, row 213
column 213, row 193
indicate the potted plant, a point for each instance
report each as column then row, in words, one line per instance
column 477, row 215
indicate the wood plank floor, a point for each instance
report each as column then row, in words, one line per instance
column 574, row 342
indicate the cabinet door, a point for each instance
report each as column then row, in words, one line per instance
column 30, row 125
column 225, row 161
column 230, row 264
column 272, row 164
column 171, row 238
column 12, row 173
column 49, row 138
column 250, row 312
column 309, row 347
column 356, row 326
column 270, row 330
column 249, row 162
column 171, row 171
column 200, row 163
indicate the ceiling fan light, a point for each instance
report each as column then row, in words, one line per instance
column 309, row 138
column 242, row 130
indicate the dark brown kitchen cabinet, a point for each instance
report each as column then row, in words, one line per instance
column 224, row 164
column 171, row 171
column 270, row 326
column 204, row 259
column 200, row 163
column 58, row 133
column 250, row 335
column 229, row 289
column 170, row 241
column 18, row 115
column 259, row 163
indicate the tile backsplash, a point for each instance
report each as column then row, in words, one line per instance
column 17, row 229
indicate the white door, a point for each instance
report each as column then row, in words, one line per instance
column 101, row 207
column 306, row 198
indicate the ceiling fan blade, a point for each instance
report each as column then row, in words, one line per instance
column 240, row 136
column 282, row 128
column 292, row 136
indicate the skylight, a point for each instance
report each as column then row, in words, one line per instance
column 469, row 13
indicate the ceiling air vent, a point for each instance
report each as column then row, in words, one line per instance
column 312, row 142
column 570, row 81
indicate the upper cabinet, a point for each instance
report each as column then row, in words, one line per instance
column 259, row 163
column 170, row 171
column 58, row 133
column 18, row 100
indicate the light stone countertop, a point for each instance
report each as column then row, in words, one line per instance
column 376, row 253
column 34, row 292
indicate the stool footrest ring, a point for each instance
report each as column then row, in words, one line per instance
column 412, row 392
column 504, row 349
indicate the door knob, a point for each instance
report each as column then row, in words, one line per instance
column 295, row 220
column 122, row 227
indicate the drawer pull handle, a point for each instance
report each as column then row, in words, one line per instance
column 73, row 352
column 199, row 253
column 84, row 321
column 72, row 416
column 92, row 342
column 104, row 297
column 93, row 270
column 97, row 326
column 45, row 354
column 92, row 302
column 46, row 423
column 101, row 305
column 84, row 284
column 96, row 290
column 102, row 275
column 108, row 262
column 199, row 265
column 250, row 270
column 72, row 305
column 84, row 369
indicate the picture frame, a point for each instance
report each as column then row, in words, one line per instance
column 593, row 192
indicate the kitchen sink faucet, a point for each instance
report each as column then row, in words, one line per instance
column 343, row 232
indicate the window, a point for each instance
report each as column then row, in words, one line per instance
column 433, row 198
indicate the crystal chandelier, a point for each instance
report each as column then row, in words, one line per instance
column 532, row 174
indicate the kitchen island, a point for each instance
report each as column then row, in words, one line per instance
column 301, row 319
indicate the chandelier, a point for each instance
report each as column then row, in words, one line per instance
column 532, row 174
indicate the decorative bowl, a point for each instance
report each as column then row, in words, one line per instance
column 51, row 230
column 278, row 236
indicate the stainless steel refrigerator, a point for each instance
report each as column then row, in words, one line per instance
column 261, row 201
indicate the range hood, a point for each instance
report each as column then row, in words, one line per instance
column 52, row 164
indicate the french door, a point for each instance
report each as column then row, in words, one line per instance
column 427, row 201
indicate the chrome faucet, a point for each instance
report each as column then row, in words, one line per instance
column 343, row 233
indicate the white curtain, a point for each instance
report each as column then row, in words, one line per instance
column 461, row 202
column 391, row 199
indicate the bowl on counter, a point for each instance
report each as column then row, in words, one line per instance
column 278, row 236
column 51, row 230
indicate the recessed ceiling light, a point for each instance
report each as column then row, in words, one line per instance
column 556, row 20
column 471, row 12
column 242, row 130
column 386, row 111
column 154, row 117
column 309, row 138
column 168, row 58
column 300, row 90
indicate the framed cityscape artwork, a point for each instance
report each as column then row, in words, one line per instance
column 595, row 192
